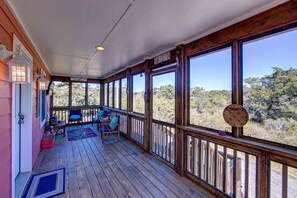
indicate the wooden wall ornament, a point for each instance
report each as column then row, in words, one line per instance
column 235, row 115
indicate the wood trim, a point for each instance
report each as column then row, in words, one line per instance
column 148, row 103
column 129, row 101
column 279, row 16
column 70, row 94
column 61, row 78
column 285, row 181
column 236, row 83
column 120, row 94
column 86, row 93
column 101, row 94
column 180, row 162
column 255, row 148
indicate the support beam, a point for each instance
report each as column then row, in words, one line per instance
column 180, row 163
column 148, row 104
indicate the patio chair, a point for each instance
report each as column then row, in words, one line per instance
column 110, row 129
column 75, row 116
column 101, row 114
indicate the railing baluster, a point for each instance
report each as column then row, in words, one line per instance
column 285, row 181
column 225, row 169
column 207, row 161
column 170, row 146
column 246, row 168
column 199, row 158
column 215, row 165
column 234, row 172
column 194, row 156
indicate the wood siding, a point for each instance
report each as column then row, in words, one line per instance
column 8, row 27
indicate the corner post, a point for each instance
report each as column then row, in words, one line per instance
column 148, row 103
column 180, row 96
column 129, row 101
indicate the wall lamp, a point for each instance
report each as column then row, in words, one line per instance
column 19, row 67
column 42, row 82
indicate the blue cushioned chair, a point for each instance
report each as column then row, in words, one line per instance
column 101, row 114
column 111, row 129
column 75, row 116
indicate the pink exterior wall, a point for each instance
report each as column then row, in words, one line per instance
column 8, row 27
column 5, row 132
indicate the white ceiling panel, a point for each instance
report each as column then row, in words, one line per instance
column 66, row 32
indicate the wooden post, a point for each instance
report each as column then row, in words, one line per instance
column 236, row 81
column 179, row 111
column 263, row 170
column 120, row 94
column 148, row 103
column 101, row 93
column 129, row 101
column 86, row 93
column 70, row 94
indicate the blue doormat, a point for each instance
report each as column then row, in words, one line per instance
column 48, row 184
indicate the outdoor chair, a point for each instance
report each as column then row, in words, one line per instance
column 75, row 116
column 101, row 115
column 110, row 129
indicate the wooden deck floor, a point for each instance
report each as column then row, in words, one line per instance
column 119, row 169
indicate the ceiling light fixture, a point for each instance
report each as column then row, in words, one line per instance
column 109, row 33
column 99, row 48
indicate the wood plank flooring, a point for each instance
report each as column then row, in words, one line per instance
column 116, row 169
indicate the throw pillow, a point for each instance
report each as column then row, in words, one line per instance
column 100, row 113
column 113, row 122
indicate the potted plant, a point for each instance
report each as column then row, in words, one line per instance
column 47, row 140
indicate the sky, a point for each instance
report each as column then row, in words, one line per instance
column 213, row 71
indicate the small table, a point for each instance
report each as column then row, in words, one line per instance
column 59, row 128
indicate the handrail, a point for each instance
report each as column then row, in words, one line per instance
column 163, row 123
column 245, row 145
column 136, row 115
column 124, row 112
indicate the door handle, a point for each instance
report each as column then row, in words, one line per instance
column 21, row 118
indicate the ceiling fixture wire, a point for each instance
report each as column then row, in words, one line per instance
column 109, row 33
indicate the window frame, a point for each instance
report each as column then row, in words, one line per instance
column 233, row 90
column 87, row 95
column 42, row 96
column 161, row 71
column 241, row 42
column 68, row 94
column 71, row 105
column 132, row 98
column 121, row 93
column 105, row 93
column 110, row 103
column 118, row 95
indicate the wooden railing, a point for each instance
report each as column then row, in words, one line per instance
column 137, row 129
column 229, row 170
column 163, row 140
column 63, row 113
column 238, row 168
column 123, row 122
column 228, row 166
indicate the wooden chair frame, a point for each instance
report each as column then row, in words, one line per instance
column 110, row 134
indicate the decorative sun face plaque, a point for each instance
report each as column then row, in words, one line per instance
column 235, row 115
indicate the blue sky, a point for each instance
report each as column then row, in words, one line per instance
column 213, row 71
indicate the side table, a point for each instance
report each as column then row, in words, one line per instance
column 59, row 128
